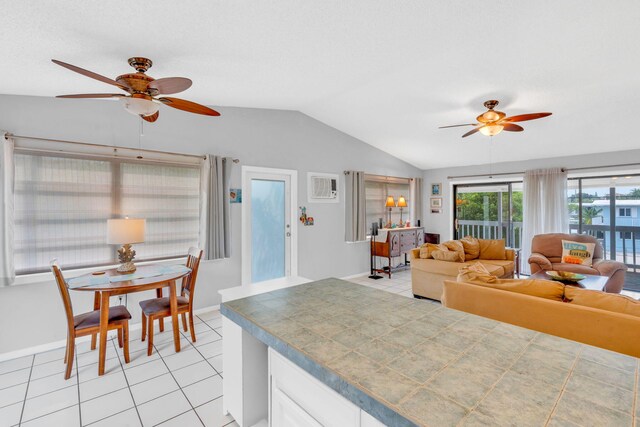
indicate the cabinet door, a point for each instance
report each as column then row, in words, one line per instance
column 286, row 413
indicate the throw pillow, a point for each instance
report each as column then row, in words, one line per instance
column 456, row 246
column 492, row 249
column 471, row 248
column 427, row 249
column 577, row 252
column 447, row 256
column 475, row 272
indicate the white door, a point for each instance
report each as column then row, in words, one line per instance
column 267, row 227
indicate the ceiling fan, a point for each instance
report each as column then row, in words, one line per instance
column 142, row 90
column 492, row 122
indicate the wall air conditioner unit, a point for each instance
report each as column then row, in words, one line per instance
column 322, row 187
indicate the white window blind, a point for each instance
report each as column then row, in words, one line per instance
column 62, row 205
column 376, row 196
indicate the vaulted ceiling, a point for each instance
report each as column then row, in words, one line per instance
column 387, row 72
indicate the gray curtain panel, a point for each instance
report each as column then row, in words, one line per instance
column 217, row 239
column 355, row 227
column 416, row 200
column 7, row 267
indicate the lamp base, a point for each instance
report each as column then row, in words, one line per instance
column 127, row 267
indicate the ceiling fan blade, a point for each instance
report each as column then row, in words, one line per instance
column 189, row 106
column 151, row 118
column 525, row 117
column 170, row 85
column 472, row 131
column 512, row 127
column 91, row 74
column 455, row 126
column 92, row 95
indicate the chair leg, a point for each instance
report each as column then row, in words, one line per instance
column 150, row 337
column 161, row 322
column 71, row 344
column 144, row 327
column 125, row 333
column 120, row 343
column 193, row 330
column 94, row 340
column 184, row 322
column 66, row 350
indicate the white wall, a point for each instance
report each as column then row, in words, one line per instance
column 32, row 313
column 443, row 223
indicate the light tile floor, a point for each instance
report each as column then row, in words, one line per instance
column 183, row 389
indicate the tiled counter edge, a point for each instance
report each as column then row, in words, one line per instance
column 374, row 407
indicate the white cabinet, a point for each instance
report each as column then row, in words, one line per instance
column 286, row 413
column 297, row 399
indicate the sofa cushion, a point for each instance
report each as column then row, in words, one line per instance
column 449, row 256
column 573, row 268
column 577, row 252
column 428, row 248
column 602, row 300
column 456, row 246
column 471, row 247
column 492, row 249
column 547, row 289
column 506, row 265
column 434, row 266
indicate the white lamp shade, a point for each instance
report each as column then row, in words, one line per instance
column 127, row 230
column 139, row 106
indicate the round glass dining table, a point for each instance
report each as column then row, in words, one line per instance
column 110, row 282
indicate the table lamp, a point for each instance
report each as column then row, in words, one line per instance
column 124, row 232
column 402, row 203
column 391, row 203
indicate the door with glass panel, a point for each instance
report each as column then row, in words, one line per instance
column 269, row 223
column 489, row 211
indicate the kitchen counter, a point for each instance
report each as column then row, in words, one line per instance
column 413, row 362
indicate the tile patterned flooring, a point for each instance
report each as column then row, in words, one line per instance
column 165, row 389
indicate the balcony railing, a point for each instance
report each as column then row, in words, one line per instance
column 492, row 230
column 626, row 240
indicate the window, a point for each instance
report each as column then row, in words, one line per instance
column 377, row 190
column 625, row 235
column 62, row 205
column 624, row 212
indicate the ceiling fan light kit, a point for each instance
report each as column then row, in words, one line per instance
column 142, row 90
column 492, row 122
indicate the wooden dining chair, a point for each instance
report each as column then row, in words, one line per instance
column 89, row 323
column 159, row 308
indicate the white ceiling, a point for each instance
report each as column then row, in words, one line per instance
column 387, row 72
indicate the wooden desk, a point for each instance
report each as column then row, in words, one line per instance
column 398, row 242
column 104, row 291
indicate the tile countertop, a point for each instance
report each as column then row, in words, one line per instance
column 412, row 362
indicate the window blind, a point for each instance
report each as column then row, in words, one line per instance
column 376, row 196
column 62, row 205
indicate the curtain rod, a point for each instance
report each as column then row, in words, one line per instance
column 88, row 144
column 563, row 170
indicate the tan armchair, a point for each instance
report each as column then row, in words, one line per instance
column 546, row 254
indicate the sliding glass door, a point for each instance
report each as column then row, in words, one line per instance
column 489, row 211
column 608, row 208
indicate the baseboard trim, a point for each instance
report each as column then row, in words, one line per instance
column 60, row 344
column 353, row 276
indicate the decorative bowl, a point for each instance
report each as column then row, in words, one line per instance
column 565, row 276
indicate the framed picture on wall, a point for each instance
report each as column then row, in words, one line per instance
column 436, row 203
column 436, row 189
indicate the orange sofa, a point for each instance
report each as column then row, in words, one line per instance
column 592, row 317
